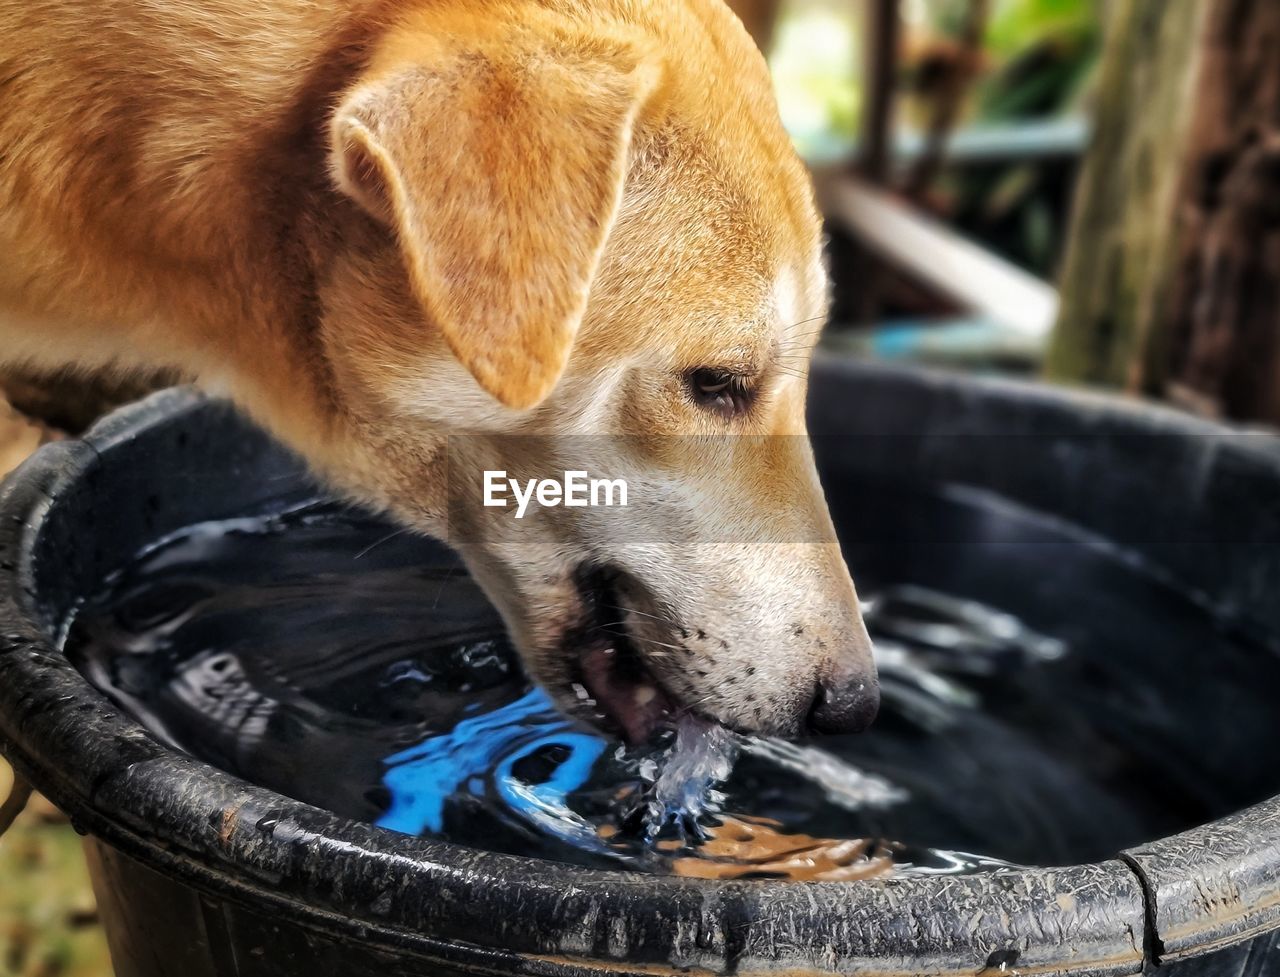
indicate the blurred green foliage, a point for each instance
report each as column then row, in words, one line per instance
column 1038, row 57
column 1046, row 52
column 1039, row 54
column 48, row 924
column 1018, row 23
column 816, row 63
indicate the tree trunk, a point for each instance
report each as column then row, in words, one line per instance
column 1120, row 245
column 1172, row 281
column 1219, row 347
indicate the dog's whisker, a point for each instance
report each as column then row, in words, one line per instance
column 443, row 584
column 632, row 610
column 805, row 322
column 800, row 342
column 648, row 641
column 378, row 542
column 800, row 346
column 643, row 613
column 792, row 336
column 797, row 337
column 642, row 640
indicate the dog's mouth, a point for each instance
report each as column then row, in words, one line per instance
column 612, row 681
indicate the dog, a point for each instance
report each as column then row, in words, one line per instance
column 408, row 235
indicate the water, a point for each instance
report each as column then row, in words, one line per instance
column 1045, row 702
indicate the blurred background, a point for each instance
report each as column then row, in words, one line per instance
column 1076, row 191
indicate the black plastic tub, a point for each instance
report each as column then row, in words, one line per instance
column 198, row 873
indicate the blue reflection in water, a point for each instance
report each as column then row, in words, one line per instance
column 486, row 749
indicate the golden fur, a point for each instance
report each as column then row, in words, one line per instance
column 380, row 223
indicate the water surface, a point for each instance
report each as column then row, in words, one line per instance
column 1045, row 702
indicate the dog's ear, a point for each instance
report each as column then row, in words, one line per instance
column 499, row 164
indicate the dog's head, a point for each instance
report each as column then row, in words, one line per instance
column 580, row 239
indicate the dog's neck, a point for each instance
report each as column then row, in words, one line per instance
column 210, row 179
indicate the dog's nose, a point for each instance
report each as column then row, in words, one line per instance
column 847, row 702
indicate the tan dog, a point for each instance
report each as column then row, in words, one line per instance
column 380, row 223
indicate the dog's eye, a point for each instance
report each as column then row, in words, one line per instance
column 720, row 390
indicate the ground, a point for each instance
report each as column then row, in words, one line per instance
column 48, row 922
